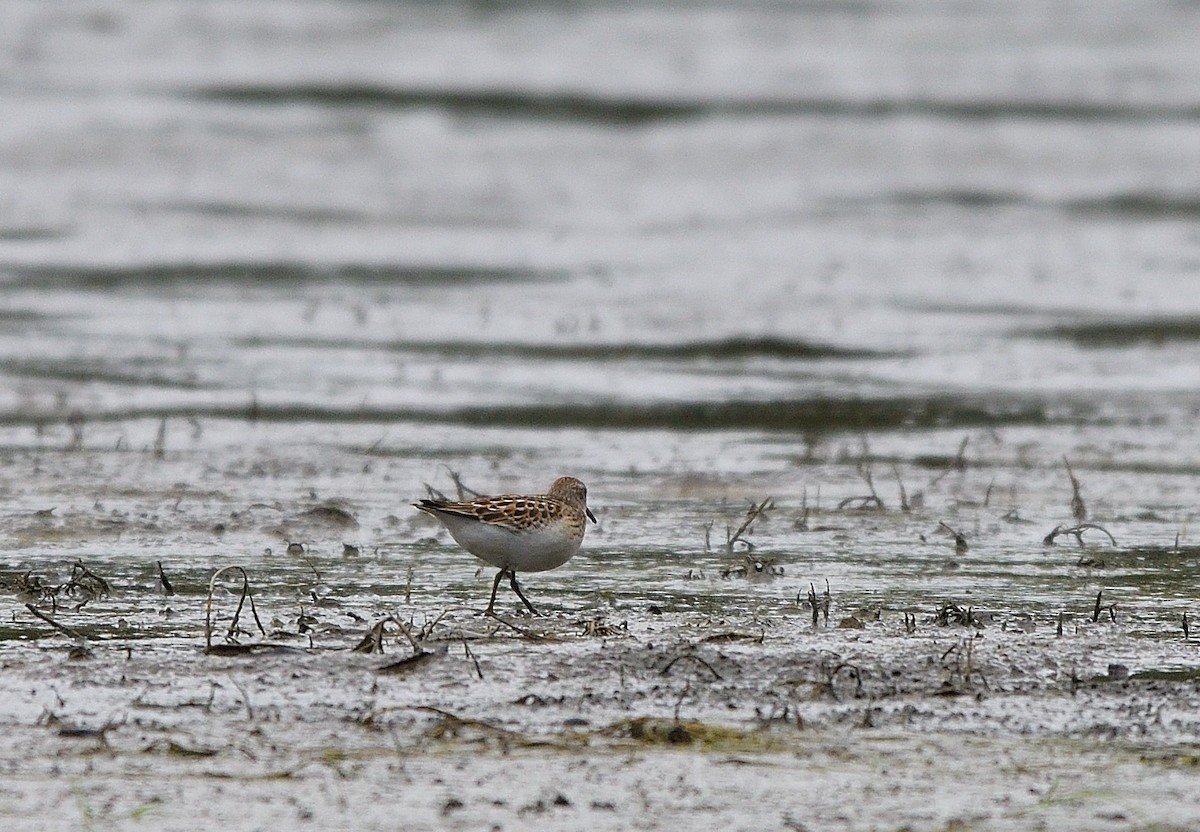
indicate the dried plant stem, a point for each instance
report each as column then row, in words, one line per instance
column 1078, row 509
column 960, row 541
column 756, row 511
column 904, row 505
column 246, row 594
column 62, row 628
column 819, row 604
column 959, row 463
column 463, row 490
column 871, row 500
column 162, row 578
column 693, row 657
column 1077, row 532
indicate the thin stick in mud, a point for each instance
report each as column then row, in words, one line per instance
column 1076, row 532
column 463, row 490
column 959, row 463
column 470, row 654
column 818, row 605
column 756, row 510
column 372, row 641
column 865, row 502
column 960, row 541
column 86, row 584
column 162, row 579
column 1078, row 509
column 407, row 663
column 62, row 628
column 904, row 504
column 1112, row 609
column 692, row 656
column 208, row 605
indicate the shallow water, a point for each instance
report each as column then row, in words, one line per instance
column 259, row 260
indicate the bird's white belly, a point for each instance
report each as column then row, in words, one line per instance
column 535, row 550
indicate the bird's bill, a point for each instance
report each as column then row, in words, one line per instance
column 589, row 514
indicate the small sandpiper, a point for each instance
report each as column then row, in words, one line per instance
column 518, row 533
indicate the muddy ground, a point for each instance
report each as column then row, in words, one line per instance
column 612, row 715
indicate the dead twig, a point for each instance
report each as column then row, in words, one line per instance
column 819, row 605
column 75, row 421
column 62, row 628
column 84, row 584
column 407, row 663
column 869, row 502
column 450, row 723
column 692, row 656
column 32, row 586
column 904, row 506
column 230, row 636
column 756, row 511
column 372, row 641
column 404, row 629
column 687, row 688
column 731, row 637
column 1076, row 532
column 428, row 627
column 245, row 698
column 1097, row 609
column 162, row 578
column 160, row 441
column 960, row 542
column 463, row 490
column 522, row 631
column 801, row 525
column 964, row 668
column 1078, row 509
column 831, row 673
column 951, row 613
column 959, row 463
column 470, row 654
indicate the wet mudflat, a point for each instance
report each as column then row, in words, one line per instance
column 669, row 678
column 872, row 330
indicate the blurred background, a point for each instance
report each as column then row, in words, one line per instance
column 688, row 251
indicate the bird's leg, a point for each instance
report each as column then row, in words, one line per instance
column 512, row 580
column 495, row 585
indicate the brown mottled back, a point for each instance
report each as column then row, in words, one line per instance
column 565, row 501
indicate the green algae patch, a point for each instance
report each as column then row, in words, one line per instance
column 1173, row 674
